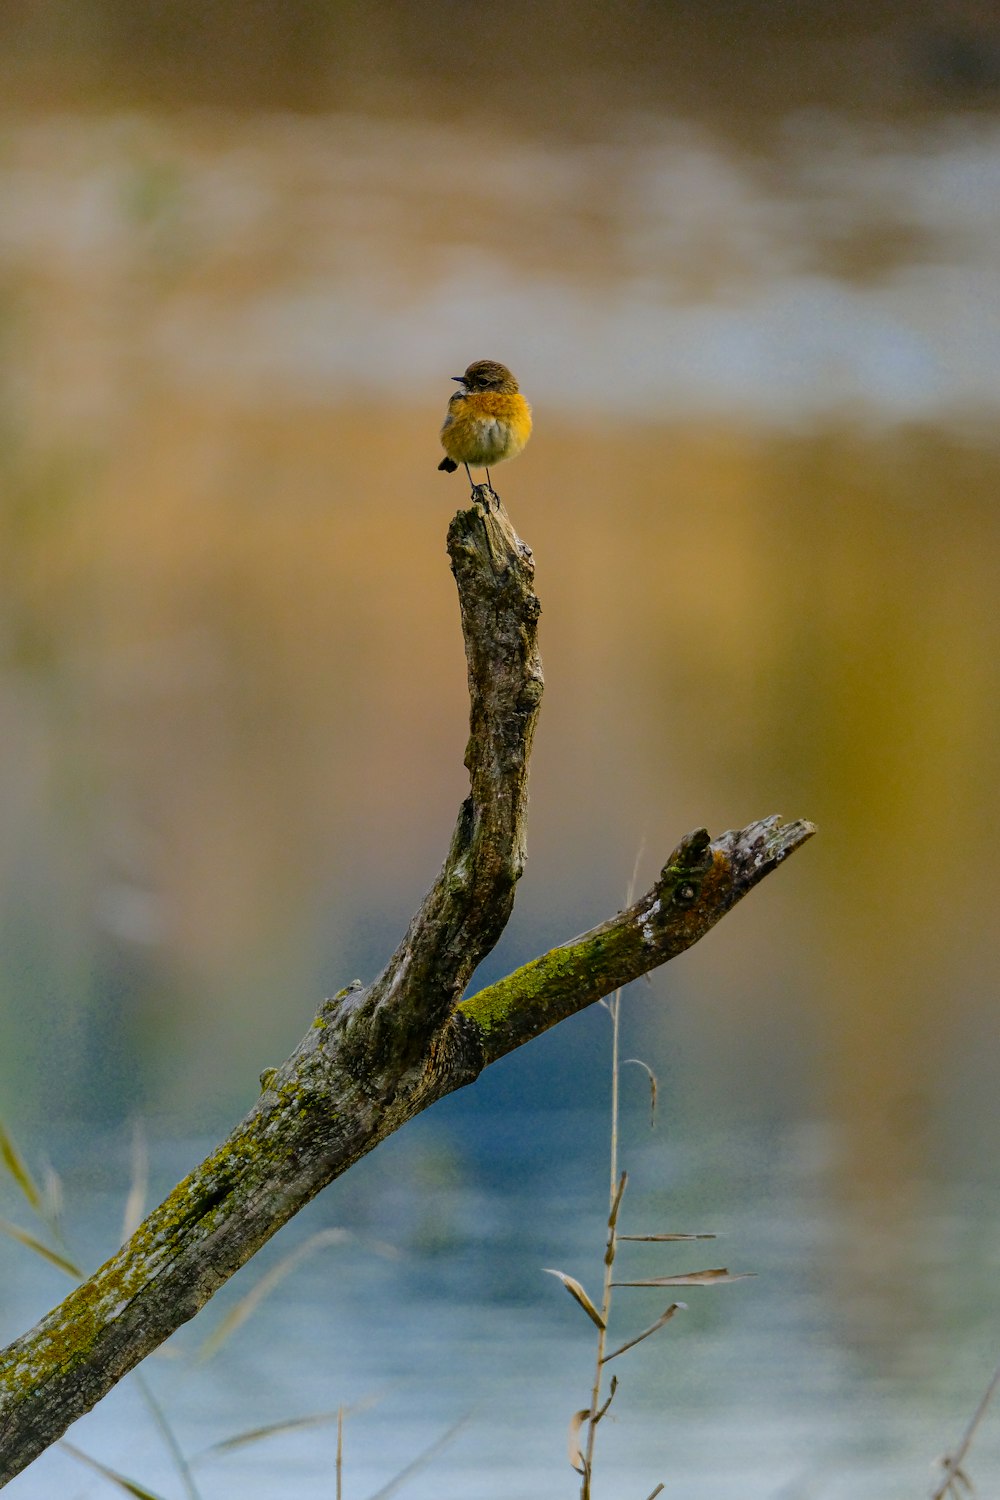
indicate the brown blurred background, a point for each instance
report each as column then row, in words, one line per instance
column 744, row 259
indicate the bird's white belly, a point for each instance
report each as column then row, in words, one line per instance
column 497, row 439
column 493, row 438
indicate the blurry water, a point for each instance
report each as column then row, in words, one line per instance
column 790, row 1384
column 762, row 500
column 761, row 496
column 275, row 262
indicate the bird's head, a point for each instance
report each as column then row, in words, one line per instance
column 488, row 375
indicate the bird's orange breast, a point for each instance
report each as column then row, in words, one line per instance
column 485, row 427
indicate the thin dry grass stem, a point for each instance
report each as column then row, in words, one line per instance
column 953, row 1474
column 52, row 1200
column 653, row 1084
column 611, row 1396
column 135, row 1203
column 581, row 1453
column 675, row 1307
column 653, row 1493
column 248, row 1304
column 38, row 1247
column 340, row 1453
column 45, row 1202
column 691, row 1278
column 616, row 1192
column 422, row 1459
column 289, row 1424
column 18, row 1170
column 658, row 1239
column 616, row 1201
column 169, row 1437
column 120, row 1481
column 633, row 880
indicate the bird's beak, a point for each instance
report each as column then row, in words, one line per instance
column 459, row 378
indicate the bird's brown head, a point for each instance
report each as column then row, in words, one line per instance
column 488, row 375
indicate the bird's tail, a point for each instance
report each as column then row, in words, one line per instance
column 448, row 465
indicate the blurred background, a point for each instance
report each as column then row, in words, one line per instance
column 745, row 261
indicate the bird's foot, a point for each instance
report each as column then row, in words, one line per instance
column 485, row 495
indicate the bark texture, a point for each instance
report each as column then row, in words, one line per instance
column 377, row 1055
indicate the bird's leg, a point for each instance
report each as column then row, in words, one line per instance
column 477, row 489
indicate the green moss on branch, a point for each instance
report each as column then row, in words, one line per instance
column 700, row 882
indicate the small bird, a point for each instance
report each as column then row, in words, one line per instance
column 487, row 421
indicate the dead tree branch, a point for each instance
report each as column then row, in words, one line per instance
column 377, row 1055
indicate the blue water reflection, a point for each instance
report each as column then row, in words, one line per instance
column 795, row 1383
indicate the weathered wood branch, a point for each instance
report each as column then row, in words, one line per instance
column 377, row 1055
column 702, row 880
